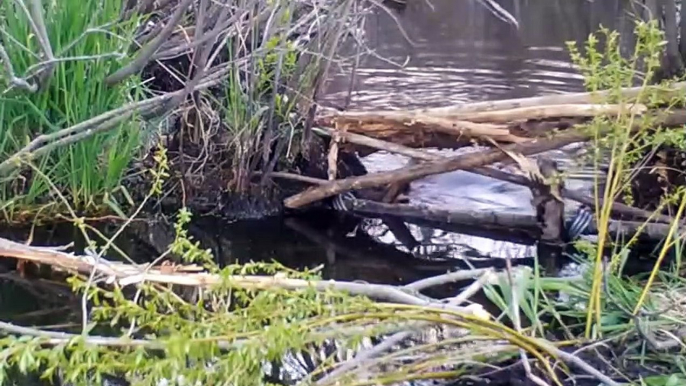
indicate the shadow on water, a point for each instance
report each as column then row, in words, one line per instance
column 459, row 53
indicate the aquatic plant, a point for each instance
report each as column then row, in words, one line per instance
column 605, row 304
column 629, row 139
column 83, row 112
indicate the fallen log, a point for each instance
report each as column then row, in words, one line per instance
column 420, row 131
column 465, row 162
column 546, row 100
column 462, row 162
column 472, row 123
column 549, row 112
column 523, row 224
column 491, row 220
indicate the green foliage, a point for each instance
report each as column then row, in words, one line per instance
column 622, row 141
column 602, row 302
column 255, row 101
column 88, row 42
column 237, row 330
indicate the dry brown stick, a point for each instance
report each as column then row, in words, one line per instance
column 463, row 162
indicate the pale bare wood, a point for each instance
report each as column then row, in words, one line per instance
column 333, row 155
column 545, row 100
column 378, row 144
column 127, row 274
column 481, row 123
column 550, row 112
column 413, row 130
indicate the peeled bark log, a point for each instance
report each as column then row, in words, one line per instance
column 475, row 123
column 522, row 224
column 549, row 112
column 545, row 100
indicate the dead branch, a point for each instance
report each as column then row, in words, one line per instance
column 545, row 100
column 551, row 112
column 416, row 131
column 486, row 123
column 463, row 162
column 127, row 274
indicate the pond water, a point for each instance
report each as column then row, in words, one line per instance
column 457, row 52
column 454, row 52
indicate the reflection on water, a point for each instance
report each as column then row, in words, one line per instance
column 458, row 52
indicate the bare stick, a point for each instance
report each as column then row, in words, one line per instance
column 479, row 119
column 127, row 274
column 447, row 278
column 544, row 100
column 464, row 162
column 146, row 53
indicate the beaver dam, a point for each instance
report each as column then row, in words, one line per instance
column 342, row 192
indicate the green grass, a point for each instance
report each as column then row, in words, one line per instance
column 89, row 42
column 603, row 304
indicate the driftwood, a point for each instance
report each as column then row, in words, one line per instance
column 128, row 274
column 464, row 162
column 498, row 120
column 419, row 131
column 550, row 112
column 545, row 100
column 476, row 123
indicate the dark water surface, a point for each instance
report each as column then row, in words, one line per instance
column 459, row 53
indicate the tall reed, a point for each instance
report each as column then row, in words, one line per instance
column 88, row 41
